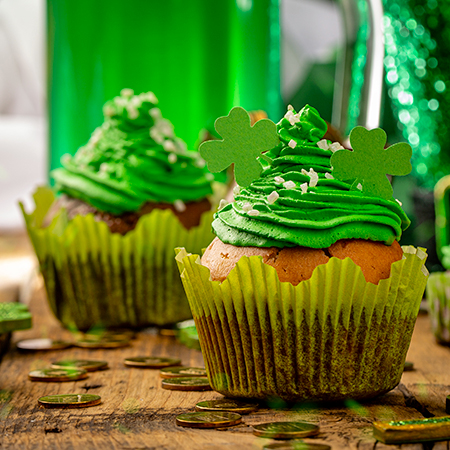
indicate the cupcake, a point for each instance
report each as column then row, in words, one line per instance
column 438, row 286
column 126, row 199
column 305, row 293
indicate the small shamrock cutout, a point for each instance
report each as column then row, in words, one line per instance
column 242, row 144
column 369, row 162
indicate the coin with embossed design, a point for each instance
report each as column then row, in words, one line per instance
column 70, row 400
column 186, row 384
column 208, row 419
column 285, row 430
column 227, row 404
column 296, row 445
column 182, row 371
column 104, row 342
column 57, row 375
column 151, row 362
column 86, row 364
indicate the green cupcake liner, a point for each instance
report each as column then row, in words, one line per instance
column 438, row 299
column 331, row 337
column 97, row 278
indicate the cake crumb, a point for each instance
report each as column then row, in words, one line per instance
column 172, row 158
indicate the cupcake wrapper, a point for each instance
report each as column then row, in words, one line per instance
column 438, row 297
column 97, row 278
column 331, row 337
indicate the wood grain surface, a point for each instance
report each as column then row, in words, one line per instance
column 136, row 413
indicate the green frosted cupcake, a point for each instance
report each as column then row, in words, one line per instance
column 126, row 199
column 305, row 293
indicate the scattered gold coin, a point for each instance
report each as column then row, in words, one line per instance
column 296, row 445
column 107, row 342
column 151, row 362
column 227, row 404
column 186, row 384
column 42, row 344
column 57, row 375
column 86, row 364
column 182, row 371
column 285, row 430
column 70, row 400
column 208, row 419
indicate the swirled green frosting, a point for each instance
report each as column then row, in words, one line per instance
column 298, row 202
column 133, row 158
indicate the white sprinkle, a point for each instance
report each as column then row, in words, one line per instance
column 136, row 102
column 292, row 143
column 165, row 127
column 155, row 113
column 66, row 158
column 279, row 180
column 290, row 108
column 304, row 188
column 126, row 92
column 293, row 118
column 179, row 205
column 359, row 186
column 247, row 207
column 289, row 184
column 156, row 135
column 103, row 167
column 237, row 190
column 314, row 177
column 181, row 145
column 329, row 176
column 132, row 113
column 222, row 204
column 108, row 110
column 172, row 158
column 151, row 97
column 398, row 201
column 168, row 146
column 208, row 176
column 120, row 101
column 335, row 146
column 200, row 163
column 323, row 144
column 253, row 212
column 272, row 197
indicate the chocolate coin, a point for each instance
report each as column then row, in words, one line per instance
column 296, row 445
column 70, row 400
column 186, row 384
column 89, row 365
column 104, row 342
column 208, row 419
column 227, row 404
column 42, row 344
column 151, row 362
column 181, row 371
column 285, row 430
column 57, row 375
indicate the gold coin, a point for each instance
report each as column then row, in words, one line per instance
column 151, row 362
column 42, row 344
column 208, row 419
column 285, row 430
column 107, row 342
column 227, row 404
column 296, row 445
column 70, row 400
column 57, row 375
column 89, row 365
column 182, row 371
column 186, row 384
column 108, row 335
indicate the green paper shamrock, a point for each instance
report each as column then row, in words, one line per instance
column 242, row 144
column 369, row 162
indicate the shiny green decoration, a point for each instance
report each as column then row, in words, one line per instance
column 369, row 162
column 242, row 145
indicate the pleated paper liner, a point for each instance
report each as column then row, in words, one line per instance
column 438, row 298
column 331, row 337
column 97, row 278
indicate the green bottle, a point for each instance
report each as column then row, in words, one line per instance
column 200, row 58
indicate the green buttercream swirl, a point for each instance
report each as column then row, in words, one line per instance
column 133, row 158
column 306, row 214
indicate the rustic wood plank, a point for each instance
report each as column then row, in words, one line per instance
column 137, row 413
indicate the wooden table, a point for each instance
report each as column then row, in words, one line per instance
column 136, row 413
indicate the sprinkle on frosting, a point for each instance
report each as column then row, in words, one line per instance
column 133, row 158
column 222, row 204
column 273, row 197
column 236, row 190
column 279, row 180
column 253, row 212
column 292, row 143
column 304, row 188
column 179, row 205
column 246, row 207
column 289, row 184
column 323, row 144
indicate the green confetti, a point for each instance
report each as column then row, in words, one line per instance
column 369, row 162
column 242, row 145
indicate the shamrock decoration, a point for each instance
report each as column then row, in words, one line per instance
column 242, row 144
column 369, row 162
